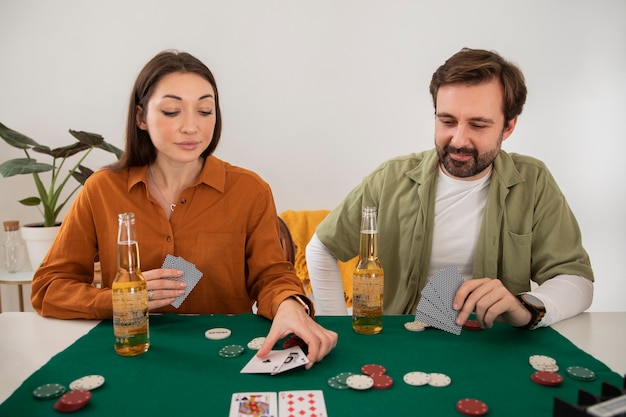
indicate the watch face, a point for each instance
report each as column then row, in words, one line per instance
column 532, row 300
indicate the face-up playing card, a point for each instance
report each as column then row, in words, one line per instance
column 301, row 404
column 276, row 361
column 435, row 305
column 294, row 359
column 253, row 404
column 191, row 275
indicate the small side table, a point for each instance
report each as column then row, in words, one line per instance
column 19, row 279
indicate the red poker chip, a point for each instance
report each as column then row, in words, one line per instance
column 472, row 325
column 382, row 381
column 471, row 407
column 373, row 369
column 72, row 401
column 293, row 341
column 547, row 378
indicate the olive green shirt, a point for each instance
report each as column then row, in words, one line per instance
column 528, row 231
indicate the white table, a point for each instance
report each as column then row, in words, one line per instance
column 19, row 279
column 28, row 341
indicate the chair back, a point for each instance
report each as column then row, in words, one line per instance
column 289, row 248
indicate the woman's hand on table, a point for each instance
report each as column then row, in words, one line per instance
column 291, row 318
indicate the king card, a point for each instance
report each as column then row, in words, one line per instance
column 253, row 404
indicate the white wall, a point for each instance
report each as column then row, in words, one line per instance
column 315, row 94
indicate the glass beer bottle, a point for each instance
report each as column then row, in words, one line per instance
column 368, row 279
column 130, row 293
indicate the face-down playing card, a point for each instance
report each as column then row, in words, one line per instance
column 435, row 306
column 191, row 275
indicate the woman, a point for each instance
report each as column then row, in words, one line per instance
column 187, row 203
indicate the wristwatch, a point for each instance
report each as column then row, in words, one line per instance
column 535, row 306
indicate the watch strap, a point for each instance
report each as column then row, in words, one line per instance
column 536, row 313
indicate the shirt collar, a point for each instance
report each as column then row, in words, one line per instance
column 213, row 174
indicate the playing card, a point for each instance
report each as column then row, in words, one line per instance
column 303, row 403
column 294, row 359
column 267, row 365
column 191, row 275
column 431, row 292
column 435, row 305
column 447, row 283
column 253, row 404
column 429, row 314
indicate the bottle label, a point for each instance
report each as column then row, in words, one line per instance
column 130, row 313
column 367, row 294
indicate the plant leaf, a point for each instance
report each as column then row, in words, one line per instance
column 111, row 148
column 82, row 173
column 63, row 151
column 88, row 138
column 23, row 166
column 16, row 139
column 31, row 201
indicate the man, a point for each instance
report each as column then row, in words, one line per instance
column 499, row 217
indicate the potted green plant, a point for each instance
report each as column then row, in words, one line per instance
column 50, row 199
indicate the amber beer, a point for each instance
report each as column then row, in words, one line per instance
column 130, row 294
column 368, row 279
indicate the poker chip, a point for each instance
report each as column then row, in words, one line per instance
column 72, row 401
column 471, row 407
column 293, row 341
column 439, row 380
column 359, row 382
column 87, row 383
column 416, row 378
column 415, row 326
column 48, row 391
column 217, row 333
column 543, row 363
column 231, row 351
column 472, row 325
column 335, row 383
column 373, row 369
column 256, row 343
column 580, row 373
column 547, row 378
column 382, row 381
column 343, row 376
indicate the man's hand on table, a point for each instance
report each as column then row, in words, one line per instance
column 491, row 302
column 292, row 318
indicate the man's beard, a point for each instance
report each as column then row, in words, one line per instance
column 465, row 169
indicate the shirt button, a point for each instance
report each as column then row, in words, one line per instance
column 169, row 239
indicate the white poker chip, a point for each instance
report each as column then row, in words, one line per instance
column 542, row 363
column 87, row 383
column 256, row 343
column 439, row 380
column 217, row 333
column 415, row 326
column 416, row 378
column 359, row 382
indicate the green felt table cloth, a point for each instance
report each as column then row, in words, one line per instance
column 183, row 375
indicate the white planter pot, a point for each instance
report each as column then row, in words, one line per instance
column 38, row 240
